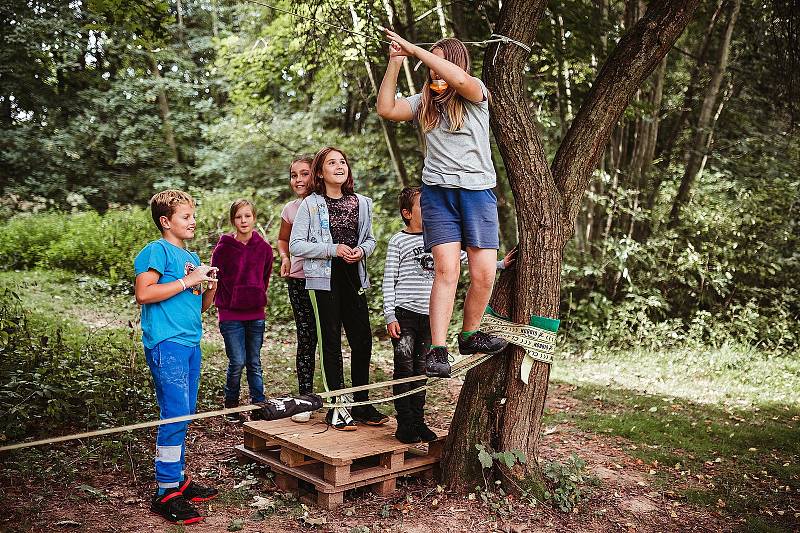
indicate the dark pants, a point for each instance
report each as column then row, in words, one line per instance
column 409, row 360
column 306, row 334
column 344, row 305
column 243, row 339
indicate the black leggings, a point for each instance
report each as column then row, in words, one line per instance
column 409, row 360
column 306, row 334
column 345, row 305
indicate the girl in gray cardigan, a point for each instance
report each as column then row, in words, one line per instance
column 332, row 232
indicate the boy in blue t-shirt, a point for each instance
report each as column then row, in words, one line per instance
column 169, row 288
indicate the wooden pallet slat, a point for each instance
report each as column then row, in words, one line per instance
column 334, row 462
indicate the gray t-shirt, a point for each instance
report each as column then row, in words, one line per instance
column 461, row 158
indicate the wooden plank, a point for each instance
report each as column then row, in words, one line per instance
column 330, row 500
column 333, row 447
column 257, row 442
column 385, row 487
column 411, row 466
column 393, row 461
column 286, row 482
column 291, row 457
column 337, row 474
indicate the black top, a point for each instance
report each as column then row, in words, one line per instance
column 343, row 214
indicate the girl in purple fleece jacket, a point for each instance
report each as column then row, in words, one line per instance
column 244, row 261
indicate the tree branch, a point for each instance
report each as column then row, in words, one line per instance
column 632, row 61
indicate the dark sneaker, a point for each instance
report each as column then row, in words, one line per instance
column 437, row 363
column 339, row 418
column 174, row 507
column 425, row 433
column 233, row 418
column 194, row 492
column 407, row 434
column 480, row 342
column 368, row 415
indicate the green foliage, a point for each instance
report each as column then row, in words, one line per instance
column 567, row 481
column 56, row 376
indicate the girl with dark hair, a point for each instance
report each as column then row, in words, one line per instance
column 459, row 209
column 332, row 232
column 302, row 183
column 244, row 260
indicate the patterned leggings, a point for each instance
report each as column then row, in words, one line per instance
column 306, row 334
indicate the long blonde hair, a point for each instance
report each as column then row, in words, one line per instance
column 432, row 105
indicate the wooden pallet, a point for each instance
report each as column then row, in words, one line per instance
column 325, row 463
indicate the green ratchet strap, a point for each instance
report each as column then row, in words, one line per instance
column 313, row 295
column 538, row 338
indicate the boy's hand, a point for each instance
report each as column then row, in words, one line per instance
column 394, row 329
column 510, row 257
column 286, row 267
column 355, row 255
column 200, row 274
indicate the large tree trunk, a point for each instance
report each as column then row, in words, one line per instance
column 495, row 408
column 703, row 128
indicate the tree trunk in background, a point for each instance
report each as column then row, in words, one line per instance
column 676, row 125
column 389, row 131
column 163, row 109
column 703, row 128
column 495, row 408
column 506, row 211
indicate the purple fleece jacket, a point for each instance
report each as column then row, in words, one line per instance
column 244, row 271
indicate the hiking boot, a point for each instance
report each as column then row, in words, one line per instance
column 338, row 418
column 194, row 492
column 437, row 363
column 175, row 508
column 480, row 342
column 425, row 433
column 233, row 418
column 368, row 415
column 407, row 434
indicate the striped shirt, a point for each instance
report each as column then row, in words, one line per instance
column 408, row 275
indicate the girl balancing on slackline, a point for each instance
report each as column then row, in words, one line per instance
column 332, row 232
column 459, row 208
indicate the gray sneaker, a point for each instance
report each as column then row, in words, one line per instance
column 437, row 363
column 480, row 342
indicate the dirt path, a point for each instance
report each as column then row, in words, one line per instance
column 626, row 497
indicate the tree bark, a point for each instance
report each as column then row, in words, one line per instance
column 703, row 128
column 163, row 109
column 547, row 200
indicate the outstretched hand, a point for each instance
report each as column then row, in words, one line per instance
column 400, row 47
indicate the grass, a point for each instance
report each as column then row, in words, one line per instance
column 720, row 424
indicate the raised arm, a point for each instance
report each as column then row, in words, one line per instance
column 463, row 83
column 387, row 105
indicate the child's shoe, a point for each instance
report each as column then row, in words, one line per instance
column 425, row 433
column 302, row 417
column 480, row 342
column 437, row 363
column 339, row 418
column 194, row 492
column 233, row 418
column 407, row 434
column 174, row 507
column 368, row 415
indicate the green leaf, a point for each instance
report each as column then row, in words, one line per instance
column 485, row 459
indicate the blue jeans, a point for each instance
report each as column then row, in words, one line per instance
column 243, row 339
column 176, row 376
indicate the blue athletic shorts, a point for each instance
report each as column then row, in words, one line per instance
column 459, row 215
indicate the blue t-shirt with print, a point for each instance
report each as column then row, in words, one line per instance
column 176, row 319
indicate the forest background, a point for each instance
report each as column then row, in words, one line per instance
column 687, row 238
